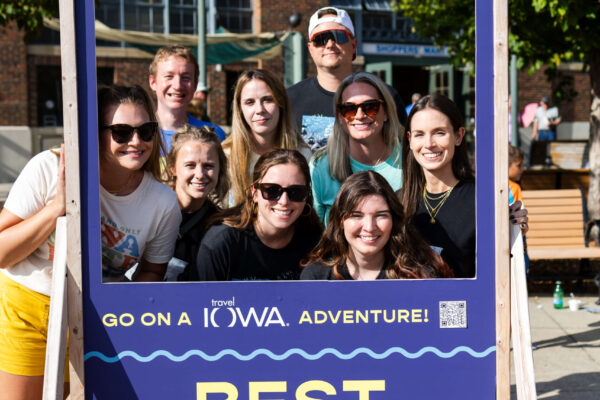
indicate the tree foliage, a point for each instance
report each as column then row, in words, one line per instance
column 28, row 14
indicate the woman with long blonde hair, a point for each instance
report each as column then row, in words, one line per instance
column 262, row 122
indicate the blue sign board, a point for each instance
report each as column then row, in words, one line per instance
column 417, row 339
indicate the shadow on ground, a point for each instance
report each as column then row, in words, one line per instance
column 583, row 386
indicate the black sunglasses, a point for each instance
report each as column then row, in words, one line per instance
column 339, row 36
column 369, row 107
column 122, row 133
column 273, row 191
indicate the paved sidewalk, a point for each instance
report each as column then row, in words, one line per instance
column 567, row 354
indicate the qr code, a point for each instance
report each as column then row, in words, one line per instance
column 453, row 314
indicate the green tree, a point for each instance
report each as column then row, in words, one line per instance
column 28, row 14
column 541, row 32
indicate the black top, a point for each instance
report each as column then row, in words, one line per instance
column 309, row 98
column 454, row 229
column 229, row 254
column 318, row 272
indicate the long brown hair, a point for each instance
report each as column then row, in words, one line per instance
column 115, row 95
column 413, row 179
column 202, row 135
column 240, row 143
column 407, row 255
column 243, row 215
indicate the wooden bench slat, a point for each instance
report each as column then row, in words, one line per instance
column 563, row 253
column 531, row 194
column 563, row 201
column 573, row 209
column 537, row 233
column 532, row 242
column 536, row 224
column 555, row 218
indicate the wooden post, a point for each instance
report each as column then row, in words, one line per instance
column 521, row 333
column 56, row 344
column 71, row 136
column 500, row 16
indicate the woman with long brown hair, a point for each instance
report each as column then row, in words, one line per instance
column 368, row 237
column 262, row 122
column 266, row 236
column 439, row 184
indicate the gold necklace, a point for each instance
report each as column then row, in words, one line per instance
column 431, row 210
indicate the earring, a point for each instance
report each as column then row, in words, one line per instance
column 307, row 210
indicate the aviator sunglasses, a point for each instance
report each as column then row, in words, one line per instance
column 369, row 107
column 122, row 133
column 273, row 191
column 339, row 36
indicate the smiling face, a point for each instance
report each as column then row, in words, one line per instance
column 433, row 140
column 279, row 216
column 196, row 171
column 132, row 155
column 367, row 229
column 258, row 106
column 173, row 83
column 362, row 128
column 333, row 55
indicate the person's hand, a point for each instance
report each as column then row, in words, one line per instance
column 60, row 198
column 518, row 216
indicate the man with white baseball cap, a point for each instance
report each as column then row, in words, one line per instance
column 332, row 46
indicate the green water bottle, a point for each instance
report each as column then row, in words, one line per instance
column 558, row 296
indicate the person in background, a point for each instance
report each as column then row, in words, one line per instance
column 332, row 47
column 197, row 171
column 516, row 165
column 413, row 99
column 262, row 122
column 365, row 137
column 545, row 122
column 438, row 192
column 197, row 107
column 270, row 233
column 173, row 78
column 368, row 237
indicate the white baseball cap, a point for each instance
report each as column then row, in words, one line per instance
column 341, row 17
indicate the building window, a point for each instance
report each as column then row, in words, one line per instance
column 144, row 16
column 235, row 15
column 182, row 16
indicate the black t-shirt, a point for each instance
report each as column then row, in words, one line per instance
column 314, row 111
column 229, row 254
column 192, row 229
column 454, row 229
column 318, row 272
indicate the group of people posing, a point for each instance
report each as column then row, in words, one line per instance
column 383, row 199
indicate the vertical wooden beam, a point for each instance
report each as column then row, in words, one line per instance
column 500, row 17
column 71, row 137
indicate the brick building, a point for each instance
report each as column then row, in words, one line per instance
column 30, row 103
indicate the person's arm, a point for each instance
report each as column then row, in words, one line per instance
column 149, row 272
column 518, row 216
column 21, row 237
column 535, row 130
column 315, row 177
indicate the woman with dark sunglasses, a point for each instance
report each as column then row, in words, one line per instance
column 368, row 237
column 365, row 137
column 267, row 236
column 139, row 215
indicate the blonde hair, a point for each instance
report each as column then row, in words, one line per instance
column 115, row 95
column 241, row 143
column 175, row 51
column 202, row 135
column 337, row 149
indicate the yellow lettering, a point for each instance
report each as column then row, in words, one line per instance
column 148, row 319
column 184, row 319
column 305, row 317
column 334, row 318
column 364, row 387
column 320, row 317
column 362, row 317
column 403, row 315
column 387, row 319
column 256, row 388
column 204, row 388
column 416, row 316
column 310, row 386
column 375, row 315
column 348, row 317
column 123, row 317
column 162, row 319
column 109, row 320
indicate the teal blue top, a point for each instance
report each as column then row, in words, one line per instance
column 325, row 187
